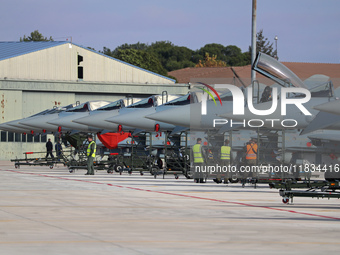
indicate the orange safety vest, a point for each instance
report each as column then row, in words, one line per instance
column 251, row 151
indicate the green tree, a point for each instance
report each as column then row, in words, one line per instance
column 263, row 45
column 136, row 46
column 172, row 57
column 213, row 49
column 211, row 62
column 35, row 36
column 141, row 59
column 235, row 57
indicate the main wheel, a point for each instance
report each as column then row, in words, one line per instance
column 118, row 168
column 285, row 200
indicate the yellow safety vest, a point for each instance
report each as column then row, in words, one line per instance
column 89, row 149
column 225, row 152
column 197, row 153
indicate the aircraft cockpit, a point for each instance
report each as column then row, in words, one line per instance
column 112, row 106
column 88, row 106
column 184, row 100
column 274, row 70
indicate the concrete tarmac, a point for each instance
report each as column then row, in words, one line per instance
column 52, row 212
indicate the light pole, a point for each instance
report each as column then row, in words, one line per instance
column 275, row 38
column 253, row 39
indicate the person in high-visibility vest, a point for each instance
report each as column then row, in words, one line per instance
column 251, row 153
column 251, row 156
column 197, row 152
column 224, row 162
column 225, row 153
column 198, row 161
column 91, row 153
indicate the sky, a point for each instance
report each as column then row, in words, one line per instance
column 307, row 30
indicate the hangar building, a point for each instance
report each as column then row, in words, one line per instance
column 35, row 76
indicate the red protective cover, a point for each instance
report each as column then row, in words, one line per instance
column 111, row 140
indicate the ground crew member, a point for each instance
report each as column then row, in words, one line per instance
column 225, row 153
column 49, row 149
column 58, row 150
column 251, row 155
column 198, row 161
column 225, row 158
column 91, row 153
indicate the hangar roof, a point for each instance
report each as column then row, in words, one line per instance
column 14, row 49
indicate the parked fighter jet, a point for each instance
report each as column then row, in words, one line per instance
column 39, row 122
column 296, row 112
column 18, row 127
column 149, row 102
column 65, row 119
column 190, row 116
column 293, row 117
column 136, row 119
column 7, row 127
column 97, row 117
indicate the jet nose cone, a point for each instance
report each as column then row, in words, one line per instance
column 330, row 107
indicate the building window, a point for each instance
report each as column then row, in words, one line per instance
column 37, row 138
column 80, row 68
column 17, row 137
column 10, row 137
column 80, row 73
column 29, row 138
column 3, row 136
column 23, row 138
column 44, row 138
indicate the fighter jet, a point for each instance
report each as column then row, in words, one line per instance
column 153, row 101
column 65, row 119
column 39, row 122
column 7, row 127
column 17, row 127
column 190, row 115
column 295, row 112
column 136, row 119
column 97, row 117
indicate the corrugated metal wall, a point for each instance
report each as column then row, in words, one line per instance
column 61, row 63
column 34, row 102
column 11, row 105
